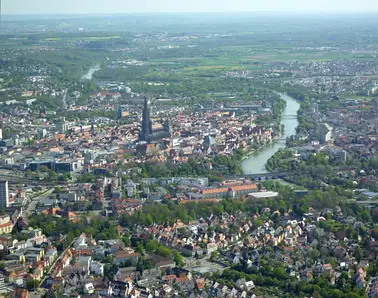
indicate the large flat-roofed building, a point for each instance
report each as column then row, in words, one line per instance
column 264, row 195
column 6, row 143
column 37, row 164
column 4, row 194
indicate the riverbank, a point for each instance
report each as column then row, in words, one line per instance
column 255, row 161
column 251, row 151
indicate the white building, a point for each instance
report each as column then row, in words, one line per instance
column 80, row 241
column 242, row 284
column 69, row 196
column 97, row 268
column 89, row 288
column 324, row 133
column 264, row 195
column 84, row 262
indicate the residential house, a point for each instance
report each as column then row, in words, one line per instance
column 242, row 284
column 97, row 268
column 6, row 225
column 124, row 256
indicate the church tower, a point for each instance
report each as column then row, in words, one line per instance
column 146, row 131
column 119, row 112
column 93, row 132
column 168, row 127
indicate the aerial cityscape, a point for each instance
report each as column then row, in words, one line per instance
column 191, row 155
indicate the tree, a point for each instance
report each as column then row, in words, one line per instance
column 375, row 233
column 139, row 248
column 29, row 174
column 152, row 246
column 66, row 176
column 358, row 254
column 52, row 176
column 32, row 284
column 179, row 260
column 126, row 240
column 109, row 270
column 58, row 290
column 70, row 237
column 164, row 252
column 148, row 220
column 44, row 169
column 143, row 264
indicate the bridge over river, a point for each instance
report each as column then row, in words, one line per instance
column 264, row 176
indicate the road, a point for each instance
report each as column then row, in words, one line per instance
column 23, row 180
column 53, row 264
column 34, row 201
column 65, row 99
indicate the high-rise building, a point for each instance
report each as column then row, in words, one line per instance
column 146, row 131
column 4, row 194
column 119, row 113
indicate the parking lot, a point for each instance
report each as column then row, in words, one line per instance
column 203, row 265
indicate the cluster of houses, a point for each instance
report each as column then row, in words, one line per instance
column 25, row 261
column 298, row 243
column 80, row 269
column 347, row 130
column 305, row 249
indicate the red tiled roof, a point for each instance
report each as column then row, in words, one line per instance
column 86, row 252
column 243, row 187
column 169, row 277
column 124, row 254
column 8, row 224
column 214, row 190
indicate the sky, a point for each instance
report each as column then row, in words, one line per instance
column 169, row 6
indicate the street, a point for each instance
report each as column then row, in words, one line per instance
column 34, row 201
column 47, row 274
column 65, row 98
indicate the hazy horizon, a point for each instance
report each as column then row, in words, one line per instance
column 259, row 12
column 74, row 7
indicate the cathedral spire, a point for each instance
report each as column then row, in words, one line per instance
column 146, row 131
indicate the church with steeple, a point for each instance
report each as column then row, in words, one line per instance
column 149, row 132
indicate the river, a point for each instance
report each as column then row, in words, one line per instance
column 255, row 163
column 90, row 72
